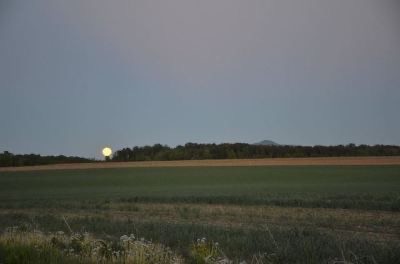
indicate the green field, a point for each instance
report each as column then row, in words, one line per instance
column 293, row 214
column 347, row 186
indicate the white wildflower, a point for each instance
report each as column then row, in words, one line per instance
column 124, row 238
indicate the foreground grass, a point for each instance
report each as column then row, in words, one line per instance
column 376, row 224
column 36, row 247
column 273, row 244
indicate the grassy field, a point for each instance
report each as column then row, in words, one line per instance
column 274, row 214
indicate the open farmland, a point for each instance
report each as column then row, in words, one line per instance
column 282, row 214
column 325, row 161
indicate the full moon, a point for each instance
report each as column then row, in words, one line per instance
column 107, row 152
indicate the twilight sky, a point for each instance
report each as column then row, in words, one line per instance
column 80, row 74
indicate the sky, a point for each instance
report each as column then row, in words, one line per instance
column 78, row 75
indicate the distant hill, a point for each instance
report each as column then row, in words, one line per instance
column 267, row 143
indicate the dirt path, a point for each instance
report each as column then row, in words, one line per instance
column 345, row 161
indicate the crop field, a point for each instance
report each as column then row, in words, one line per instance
column 258, row 214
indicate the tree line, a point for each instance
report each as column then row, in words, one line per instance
column 194, row 151
column 8, row 159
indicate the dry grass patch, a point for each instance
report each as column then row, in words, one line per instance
column 377, row 161
column 375, row 224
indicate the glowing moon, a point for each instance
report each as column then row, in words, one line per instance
column 107, row 152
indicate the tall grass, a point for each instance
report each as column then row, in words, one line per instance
column 276, row 245
column 37, row 247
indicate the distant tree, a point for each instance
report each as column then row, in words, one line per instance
column 8, row 159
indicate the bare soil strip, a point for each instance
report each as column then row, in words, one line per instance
column 342, row 161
